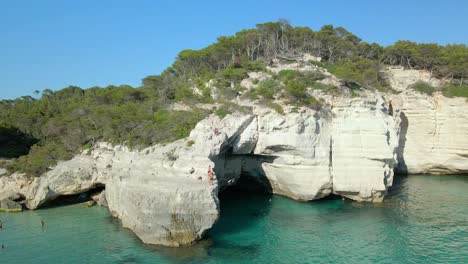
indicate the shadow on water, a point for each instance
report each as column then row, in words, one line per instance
column 241, row 205
column 398, row 186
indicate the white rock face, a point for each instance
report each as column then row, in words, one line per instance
column 433, row 135
column 310, row 57
column 78, row 175
column 400, row 78
column 300, row 145
column 254, row 79
column 100, row 198
column 364, row 149
column 16, row 185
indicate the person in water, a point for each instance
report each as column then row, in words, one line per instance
column 42, row 223
column 1, row 224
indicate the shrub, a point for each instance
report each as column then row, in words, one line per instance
column 190, row 143
column 267, row 89
column 363, row 71
column 307, row 78
column 254, row 66
column 40, row 158
column 312, row 102
column 297, row 93
column 278, row 108
column 297, row 90
column 287, row 74
column 222, row 112
column 234, row 74
column 184, row 93
column 423, row 87
column 455, row 90
column 229, row 108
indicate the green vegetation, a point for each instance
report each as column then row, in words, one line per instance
column 70, row 120
column 423, row 87
column 455, row 90
column 190, row 143
column 59, row 124
column 227, row 108
column 357, row 62
column 361, row 71
column 268, row 103
column 267, row 89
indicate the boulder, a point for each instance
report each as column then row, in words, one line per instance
column 7, row 205
column 100, row 198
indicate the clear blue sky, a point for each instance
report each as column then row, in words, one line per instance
column 53, row 44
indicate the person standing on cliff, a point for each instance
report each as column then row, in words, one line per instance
column 211, row 174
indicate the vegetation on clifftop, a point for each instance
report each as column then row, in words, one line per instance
column 59, row 124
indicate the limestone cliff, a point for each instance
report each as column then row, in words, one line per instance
column 349, row 148
column 434, row 136
column 164, row 195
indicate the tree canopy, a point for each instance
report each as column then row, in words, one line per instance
column 61, row 123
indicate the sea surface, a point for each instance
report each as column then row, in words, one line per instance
column 423, row 220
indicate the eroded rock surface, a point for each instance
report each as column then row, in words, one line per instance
column 400, row 79
column 364, row 146
column 434, row 134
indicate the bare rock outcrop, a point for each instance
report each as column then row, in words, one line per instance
column 433, row 134
column 400, row 78
column 364, row 145
column 164, row 194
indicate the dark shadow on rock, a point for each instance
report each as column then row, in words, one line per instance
column 14, row 143
column 402, row 168
column 63, row 200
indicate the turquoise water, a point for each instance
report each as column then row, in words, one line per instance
column 424, row 220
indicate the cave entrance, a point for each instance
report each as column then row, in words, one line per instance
column 242, row 206
column 81, row 197
column 247, row 184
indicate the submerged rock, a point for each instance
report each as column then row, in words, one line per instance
column 89, row 203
